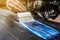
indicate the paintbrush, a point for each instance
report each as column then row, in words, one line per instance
column 25, row 17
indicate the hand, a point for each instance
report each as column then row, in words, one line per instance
column 15, row 5
column 55, row 20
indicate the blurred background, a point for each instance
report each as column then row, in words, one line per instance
column 12, row 31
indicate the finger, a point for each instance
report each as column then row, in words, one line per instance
column 12, row 9
column 20, row 4
column 12, row 5
column 17, row 5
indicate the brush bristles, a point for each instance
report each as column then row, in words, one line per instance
column 25, row 17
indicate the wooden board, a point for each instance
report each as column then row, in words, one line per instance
column 11, row 31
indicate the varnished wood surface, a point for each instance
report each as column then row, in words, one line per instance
column 15, row 33
column 11, row 31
